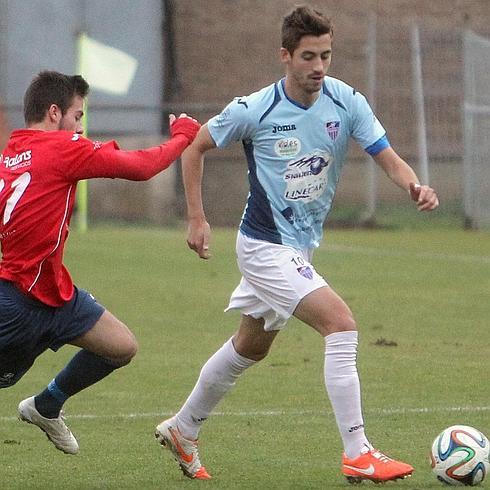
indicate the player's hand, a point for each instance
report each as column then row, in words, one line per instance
column 185, row 125
column 198, row 234
column 425, row 197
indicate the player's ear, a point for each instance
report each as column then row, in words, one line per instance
column 54, row 113
column 284, row 55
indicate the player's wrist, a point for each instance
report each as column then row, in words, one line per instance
column 186, row 127
column 199, row 218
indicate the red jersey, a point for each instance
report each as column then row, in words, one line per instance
column 39, row 171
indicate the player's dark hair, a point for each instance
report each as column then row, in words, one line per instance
column 51, row 87
column 303, row 21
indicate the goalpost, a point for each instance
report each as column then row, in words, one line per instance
column 476, row 117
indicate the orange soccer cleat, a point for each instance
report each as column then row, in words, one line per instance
column 184, row 450
column 375, row 466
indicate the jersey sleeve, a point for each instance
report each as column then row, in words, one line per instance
column 366, row 129
column 82, row 158
column 234, row 123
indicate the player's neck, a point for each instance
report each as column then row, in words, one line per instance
column 43, row 126
column 298, row 95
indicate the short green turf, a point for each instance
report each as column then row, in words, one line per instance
column 421, row 300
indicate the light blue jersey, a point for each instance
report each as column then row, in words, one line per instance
column 295, row 156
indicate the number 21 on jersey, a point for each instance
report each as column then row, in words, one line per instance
column 19, row 185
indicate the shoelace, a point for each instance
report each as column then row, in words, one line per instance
column 382, row 457
column 61, row 422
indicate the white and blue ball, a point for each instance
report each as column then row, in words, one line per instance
column 460, row 456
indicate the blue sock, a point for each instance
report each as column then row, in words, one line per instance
column 83, row 370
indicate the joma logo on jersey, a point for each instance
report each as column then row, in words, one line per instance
column 286, row 127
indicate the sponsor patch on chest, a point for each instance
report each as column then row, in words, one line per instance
column 307, row 177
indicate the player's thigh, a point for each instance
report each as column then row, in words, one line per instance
column 325, row 311
column 23, row 333
column 251, row 340
column 109, row 338
column 280, row 276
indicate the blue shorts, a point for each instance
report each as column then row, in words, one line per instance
column 29, row 327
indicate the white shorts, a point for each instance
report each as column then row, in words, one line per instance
column 275, row 278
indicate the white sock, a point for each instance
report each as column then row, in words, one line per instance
column 217, row 377
column 343, row 388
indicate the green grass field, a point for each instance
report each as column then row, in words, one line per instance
column 425, row 290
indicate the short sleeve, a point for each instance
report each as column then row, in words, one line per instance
column 365, row 129
column 234, row 123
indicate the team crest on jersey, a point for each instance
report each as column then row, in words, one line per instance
column 332, row 128
column 306, row 178
column 305, row 271
column 287, row 147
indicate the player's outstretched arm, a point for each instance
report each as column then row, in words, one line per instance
column 145, row 164
column 198, row 231
column 107, row 160
column 403, row 175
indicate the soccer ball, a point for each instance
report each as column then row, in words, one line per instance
column 459, row 456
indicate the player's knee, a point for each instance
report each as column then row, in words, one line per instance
column 347, row 323
column 130, row 350
column 259, row 356
column 254, row 346
column 341, row 323
column 127, row 349
column 254, row 352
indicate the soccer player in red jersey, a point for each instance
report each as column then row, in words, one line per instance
column 41, row 307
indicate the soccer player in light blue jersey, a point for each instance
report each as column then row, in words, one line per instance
column 295, row 135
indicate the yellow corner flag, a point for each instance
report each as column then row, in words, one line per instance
column 109, row 70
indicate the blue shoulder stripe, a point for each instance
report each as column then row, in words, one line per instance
column 378, row 146
column 335, row 101
column 277, row 99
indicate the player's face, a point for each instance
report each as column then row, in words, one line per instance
column 307, row 66
column 72, row 119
